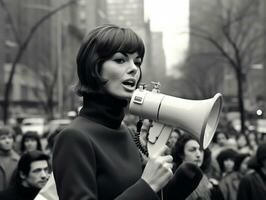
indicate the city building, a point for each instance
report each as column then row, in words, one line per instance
column 49, row 63
column 53, row 43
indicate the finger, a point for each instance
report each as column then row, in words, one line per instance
column 167, row 158
column 168, row 166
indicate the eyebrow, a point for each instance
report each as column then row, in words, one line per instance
column 40, row 168
column 125, row 54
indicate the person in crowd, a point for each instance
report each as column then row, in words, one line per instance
column 17, row 126
column 187, row 149
column 219, row 143
column 229, row 183
column 253, row 185
column 262, row 137
column 8, row 157
column 226, row 161
column 30, row 176
column 30, row 141
column 243, row 144
column 91, row 154
column 252, row 137
column 50, row 142
column 175, row 134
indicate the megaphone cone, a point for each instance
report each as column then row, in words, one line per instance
column 198, row 117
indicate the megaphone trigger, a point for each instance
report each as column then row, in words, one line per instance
column 158, row 136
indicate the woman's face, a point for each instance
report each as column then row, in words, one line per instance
column 30, row 144
column 193, row 153
column 229, row 165
column 221, row 139
column 242, row 141
column 6, row 142
column 172, row 139
column 122, row 72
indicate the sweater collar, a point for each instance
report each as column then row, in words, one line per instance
column 104, row 108
column 29, row 192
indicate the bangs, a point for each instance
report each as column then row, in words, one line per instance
column 130, row 43
column 120, row 40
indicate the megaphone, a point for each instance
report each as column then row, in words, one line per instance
column 198, row 117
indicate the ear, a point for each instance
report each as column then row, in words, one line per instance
column 22, row 175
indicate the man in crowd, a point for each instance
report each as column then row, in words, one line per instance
column 31, row 175
column 253, row 185
column 8, row 157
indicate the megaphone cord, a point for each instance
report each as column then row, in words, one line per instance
column 143, row 150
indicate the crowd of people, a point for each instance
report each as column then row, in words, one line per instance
column 103, row 155
column 24, row 165
column 233, row 168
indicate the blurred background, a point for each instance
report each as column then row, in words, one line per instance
column 193, row 48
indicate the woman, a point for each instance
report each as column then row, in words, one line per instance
column 95, row 157
column 187, row 149
column 252, row 137
column 230, row 183
column 30, row 141
column 226, row 161
column 243, row 145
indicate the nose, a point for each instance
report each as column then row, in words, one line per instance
column 44, row 174
column 8, row 140
column 132, row 68
column 198, row 152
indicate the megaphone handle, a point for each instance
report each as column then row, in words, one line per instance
column 159, row 135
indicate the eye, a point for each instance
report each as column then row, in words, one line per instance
column 192, row 149
column 119, row 60
column 138, row 63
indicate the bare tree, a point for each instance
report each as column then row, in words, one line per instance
column 237, row 39
column 22, row 45
column 202, row 76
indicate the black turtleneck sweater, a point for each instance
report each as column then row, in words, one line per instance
column 95, row 157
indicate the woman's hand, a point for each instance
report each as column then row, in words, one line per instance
column 158, row 170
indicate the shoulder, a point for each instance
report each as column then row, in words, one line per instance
column 78, row 129
column 8, row 194
column 250, row 176
column 248, row 180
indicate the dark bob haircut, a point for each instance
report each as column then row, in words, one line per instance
column 30, row 135
column 98, row 46
column 225, row 155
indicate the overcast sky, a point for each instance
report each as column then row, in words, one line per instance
column 171, row 17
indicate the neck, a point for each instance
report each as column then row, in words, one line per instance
column 104, row 108
column 4, row 152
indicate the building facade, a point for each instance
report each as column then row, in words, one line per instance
column 49, row 60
